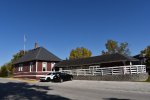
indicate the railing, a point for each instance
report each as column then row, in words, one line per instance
column 131, row 69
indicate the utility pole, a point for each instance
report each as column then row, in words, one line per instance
column 24, row 43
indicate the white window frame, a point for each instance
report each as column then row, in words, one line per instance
column 20, row 68
column 52, row 65
column 36, row 66
column 43, row 66
column 31, row 67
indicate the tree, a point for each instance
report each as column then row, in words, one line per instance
column 146, row 53
column 123, row 48
column 18, row 55
column 113, row 47
column 80, row 52
column 15, row 58
column 3, row 71
column 8, row 67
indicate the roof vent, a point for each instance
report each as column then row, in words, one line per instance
column 36, row 45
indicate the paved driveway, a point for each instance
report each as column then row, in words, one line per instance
column 74, row 90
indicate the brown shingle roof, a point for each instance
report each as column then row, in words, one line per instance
column 39, row 53
column 95, row 60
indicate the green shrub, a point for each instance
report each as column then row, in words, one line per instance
column 3, row 71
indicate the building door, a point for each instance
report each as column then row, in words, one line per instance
column 31, row 66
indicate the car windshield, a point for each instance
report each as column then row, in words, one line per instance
column 56, row 73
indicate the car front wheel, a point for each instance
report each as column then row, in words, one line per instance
column 71, row 79
column 48, row 79
column 61, row 80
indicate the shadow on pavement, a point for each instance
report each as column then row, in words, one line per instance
column 24, row 91
column 114, row 99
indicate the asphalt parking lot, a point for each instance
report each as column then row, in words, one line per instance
column 14, row 89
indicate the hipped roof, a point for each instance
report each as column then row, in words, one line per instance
column 39, row 53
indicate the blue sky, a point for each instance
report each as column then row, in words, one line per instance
column 61, row 25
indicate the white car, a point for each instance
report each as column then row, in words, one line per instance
column 47, row 77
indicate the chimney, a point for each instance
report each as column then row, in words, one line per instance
column 35, row 45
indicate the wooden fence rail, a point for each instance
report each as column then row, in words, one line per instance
column 131, row 69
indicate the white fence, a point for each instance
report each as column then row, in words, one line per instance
column 95, row 70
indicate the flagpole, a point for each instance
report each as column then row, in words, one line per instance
column 24, row 43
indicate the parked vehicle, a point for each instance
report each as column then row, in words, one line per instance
column 60, row 77
column 47, row 77
column 56, row 77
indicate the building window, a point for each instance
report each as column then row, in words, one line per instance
column 52, row 66
column 31, row 66
column 20, row 68
column 44, row 66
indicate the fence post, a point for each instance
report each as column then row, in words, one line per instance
column 137, row 71
column 124, row 70
column 71, row 72
column 130, row 70
column 93, row 71
column 84, row 73
column 77, row 72
column 112, row 71
column 142, row 68
column 102, row 72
